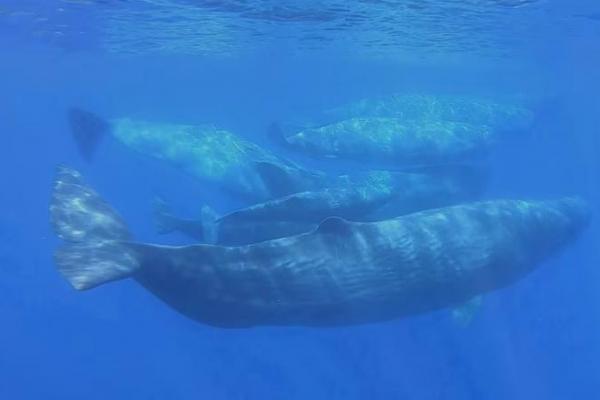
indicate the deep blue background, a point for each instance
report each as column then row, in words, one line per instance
column 535, row 340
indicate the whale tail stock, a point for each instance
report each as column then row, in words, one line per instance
column 96, row 247
column 87, row 129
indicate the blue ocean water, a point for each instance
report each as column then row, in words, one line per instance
column 244, row 65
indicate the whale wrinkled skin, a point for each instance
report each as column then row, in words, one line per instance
column 341, row 273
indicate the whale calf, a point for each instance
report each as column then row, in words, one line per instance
column 401, row 192
column 342, row 273
column 212, row 154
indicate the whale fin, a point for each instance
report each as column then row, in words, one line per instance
column 334, row 226
column 96, row 249
column 87, row 129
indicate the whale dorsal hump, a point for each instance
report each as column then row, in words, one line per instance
column 334, row 226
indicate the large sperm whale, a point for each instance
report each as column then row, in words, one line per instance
column 400, row 192
column 339, row 274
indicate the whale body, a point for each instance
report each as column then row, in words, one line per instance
column 341, row 273
column 500, row 115
column 394, row 141
column 408, row 129
column 401, row 192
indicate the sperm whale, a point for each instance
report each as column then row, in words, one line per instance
column 341, row 273
column 405, row 129
column 210, row 153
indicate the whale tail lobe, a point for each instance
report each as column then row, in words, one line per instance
column 87, row 129
column 96, row 247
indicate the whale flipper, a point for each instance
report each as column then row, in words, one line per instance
column 87, row 129
column 95, row 251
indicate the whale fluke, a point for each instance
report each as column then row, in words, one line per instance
column 87, row 129
column 95, row 251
